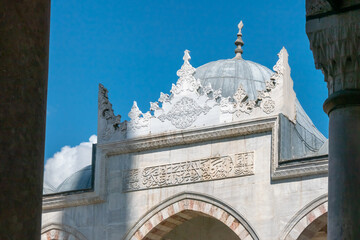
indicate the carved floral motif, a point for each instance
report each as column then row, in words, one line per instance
column 184, row 113
column 268, row 106
column 208, row 169
column 240, row 102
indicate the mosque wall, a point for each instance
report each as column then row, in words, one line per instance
column 266, row 205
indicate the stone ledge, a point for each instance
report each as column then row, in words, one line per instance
column 59, row 201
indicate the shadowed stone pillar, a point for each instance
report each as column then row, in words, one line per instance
column 333, row 28
column 24, row 44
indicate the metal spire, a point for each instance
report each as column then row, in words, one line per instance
column 239, row 42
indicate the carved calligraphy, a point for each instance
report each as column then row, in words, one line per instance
column 208, row 169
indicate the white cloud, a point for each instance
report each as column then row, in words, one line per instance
column 68, row 161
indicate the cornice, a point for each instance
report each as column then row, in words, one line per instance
column 70, row 200
column 315, row 165
column 189, row 136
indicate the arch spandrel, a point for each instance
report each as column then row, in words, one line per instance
column 308, row 221
column 173, row 212
column 60, row 232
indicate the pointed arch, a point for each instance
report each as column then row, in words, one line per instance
column 182, row 207
column 60, row 232
column 308, row 221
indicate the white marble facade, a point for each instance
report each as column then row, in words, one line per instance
column 200, row 157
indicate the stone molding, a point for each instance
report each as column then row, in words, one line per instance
column 189, row 136
column 304, row 217
column 302, row 167
column 62, row 200
column 335, row 43
column 60, row 232
column 187, row 205
column 341, row 99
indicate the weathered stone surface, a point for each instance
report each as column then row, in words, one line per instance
column 24, row 44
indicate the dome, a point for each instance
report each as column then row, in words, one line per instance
column 48, row 188
column 80, row 180
column 229, row 74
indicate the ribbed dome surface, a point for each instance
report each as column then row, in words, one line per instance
column 229, row 74
column 78, row 181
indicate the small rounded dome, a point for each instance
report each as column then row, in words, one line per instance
column 229, row 74
column 80, row 180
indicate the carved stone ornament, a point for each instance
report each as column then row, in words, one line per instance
column 106, row 112
column 138, row 119
column 154, row 106
column 163, row 97
column 187, row 81
column 240, row 102
column 279, row 69
column 184, row 113
column 188, row 101
column 213, row 168
column 268, row 106
column 314, row 7
column 336, row 50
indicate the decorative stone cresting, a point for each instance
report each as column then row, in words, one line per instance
column 177, row 213
column 189, row 105
column 240, row 102
column 106, row 112
column 187, row 81
column 138, row 119
column 310, row 224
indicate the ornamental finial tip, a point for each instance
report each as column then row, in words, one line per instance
column 239, row 42
column 186, row 55
column 240, row 26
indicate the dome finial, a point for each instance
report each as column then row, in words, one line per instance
column 239, row 42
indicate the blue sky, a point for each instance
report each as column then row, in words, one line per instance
column 134, row 48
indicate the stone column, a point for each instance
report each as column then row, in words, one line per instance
column 24, row 44
column 333, row 29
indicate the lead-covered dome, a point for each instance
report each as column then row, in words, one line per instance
column 79, row 180
column 229, row 74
